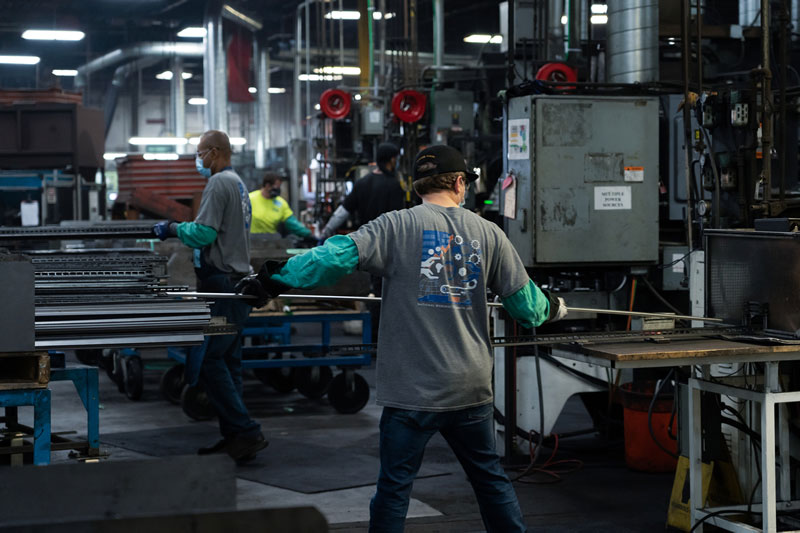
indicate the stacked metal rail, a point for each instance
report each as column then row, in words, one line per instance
column 106, row 297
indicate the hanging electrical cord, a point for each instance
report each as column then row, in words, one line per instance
column 659, row 386
column 659, row 296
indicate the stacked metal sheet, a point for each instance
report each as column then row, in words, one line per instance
column 110, row 297
column 106, row 297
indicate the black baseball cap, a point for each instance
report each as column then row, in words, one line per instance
column 440, row 159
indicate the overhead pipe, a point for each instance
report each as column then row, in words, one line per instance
column 687, row 118
column 574, row 27
column 177, row 102
column 117, row 82
column 234, row 15
column 555, row 30
column 766, row 101
column 215, row 72
column 632, row 41
column 261, row 54
column 438, row 33
column 128, row 53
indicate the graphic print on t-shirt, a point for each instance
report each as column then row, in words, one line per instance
column 449, row 271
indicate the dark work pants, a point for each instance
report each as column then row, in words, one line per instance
column 221, row 371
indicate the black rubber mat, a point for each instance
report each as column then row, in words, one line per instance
column 287, row 463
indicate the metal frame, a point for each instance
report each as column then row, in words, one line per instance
column 775, row 490
column 40, row 400
column 264, row 325
column 86, row 383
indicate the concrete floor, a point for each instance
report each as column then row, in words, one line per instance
column 603, row 495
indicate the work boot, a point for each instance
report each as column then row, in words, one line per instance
column 215, row 448
column 243, row 449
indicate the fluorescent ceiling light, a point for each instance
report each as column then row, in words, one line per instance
column 599, row 19
column 192, row 32
column 356, row 15
column 346, row 71
column 235, row 141
column 197, row 101
column 53, row 35
column 276, row 90
column 318, row 77
column 19, row 60
column 252, row 90
column 177, row 141
column 110, row 156
column 599, row 9
column 167, row 75
column 483, row 38
column 64, row 72
column 160, row 157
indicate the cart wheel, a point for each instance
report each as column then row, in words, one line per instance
column 133, row 377
column 313, row 382
column 108, row 360
column 171, row 384
column 348, row 398
column 280, row 379
column 194, row 402
column 89, row 357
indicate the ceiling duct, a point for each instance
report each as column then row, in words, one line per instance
column 632, row 41
column 147, row 49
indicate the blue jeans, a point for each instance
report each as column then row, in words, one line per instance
column 221, row 371
column 403, row 437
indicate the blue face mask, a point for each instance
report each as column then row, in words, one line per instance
column 198, row 162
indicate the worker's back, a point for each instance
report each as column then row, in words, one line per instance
column 437, row 263
column 374, row 195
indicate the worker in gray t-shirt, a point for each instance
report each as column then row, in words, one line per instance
column 437, row 261
column 220, row 236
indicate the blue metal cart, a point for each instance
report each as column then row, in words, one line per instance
column 280, row 366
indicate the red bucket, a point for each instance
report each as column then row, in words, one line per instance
column 641, row 451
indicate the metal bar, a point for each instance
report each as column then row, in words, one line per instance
column 768, row 520
column 221, row 295
column 94, row 231
column 695, row 457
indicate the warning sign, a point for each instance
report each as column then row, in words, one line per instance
column 608, row 198
column 634, row 173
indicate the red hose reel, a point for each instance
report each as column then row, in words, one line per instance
column 557, row 72
column 409, row 106
column 335, row 103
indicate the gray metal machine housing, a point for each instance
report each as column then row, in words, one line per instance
column 586, row 174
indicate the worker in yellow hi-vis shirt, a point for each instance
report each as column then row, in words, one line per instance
column 272, row 214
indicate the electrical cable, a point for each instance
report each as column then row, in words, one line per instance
column 650, row 414
column 660, row 298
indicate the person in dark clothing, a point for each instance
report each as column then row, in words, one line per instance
column 373, row 195
column 376, row 193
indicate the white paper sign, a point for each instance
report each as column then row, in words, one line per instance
column 634, row 174
column 510, row 197
column 519, row 143
column 609, row 198
column 29, row 211
column 678, row 260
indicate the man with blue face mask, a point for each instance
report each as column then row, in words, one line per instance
column 220, row 238
column 434, row 365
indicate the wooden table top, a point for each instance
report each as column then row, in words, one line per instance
column 686, row 349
